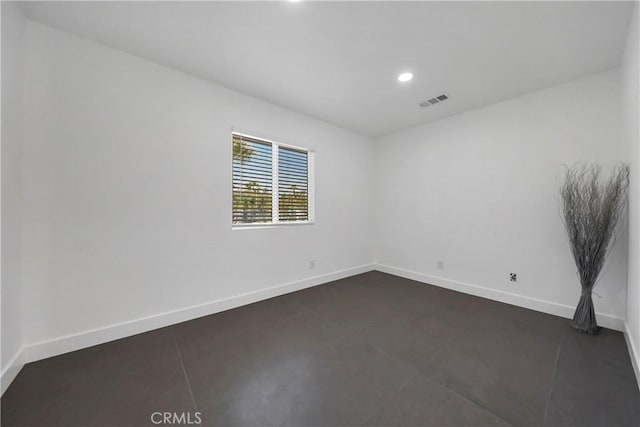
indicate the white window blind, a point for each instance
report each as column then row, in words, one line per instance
column 293, row 188
column 252, row 180
column 271, row 182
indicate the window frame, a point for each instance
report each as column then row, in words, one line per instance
column 275, row 209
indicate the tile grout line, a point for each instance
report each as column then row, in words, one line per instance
column 551, row 384
column 391, row 396
column 397, row 359
column 468, row 400
column 450, row 390
column 418, row 372
column 446, row 387
column 465, row 398
column 184, row 371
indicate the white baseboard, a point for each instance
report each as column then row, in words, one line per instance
column 11, row 370
column 65, row 344
column 606, row 320
column 634, row 351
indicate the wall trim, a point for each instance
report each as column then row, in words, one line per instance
column 606, row 320
column 634, row 351
column 53, row 347
column 12, row 369
column 64, row 344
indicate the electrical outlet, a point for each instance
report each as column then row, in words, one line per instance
column 513, row 277
column 312, row 264
column 440, row 264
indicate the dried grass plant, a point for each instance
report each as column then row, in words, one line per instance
column 592, row 209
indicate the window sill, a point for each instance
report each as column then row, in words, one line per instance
column 270, row 225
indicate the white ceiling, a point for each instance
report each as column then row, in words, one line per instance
column 338, row 61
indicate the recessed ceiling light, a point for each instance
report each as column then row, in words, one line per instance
column 405, row 77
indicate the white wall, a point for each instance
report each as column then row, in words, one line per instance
column 127, row 197
column 11, row 295
column 480, row 191
column 127, row 203
column 631, row 74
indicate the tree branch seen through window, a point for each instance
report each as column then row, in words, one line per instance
column 257, row 165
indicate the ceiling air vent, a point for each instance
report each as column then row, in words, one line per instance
column 435, row 100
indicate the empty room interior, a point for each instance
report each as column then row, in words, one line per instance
column 320, row 213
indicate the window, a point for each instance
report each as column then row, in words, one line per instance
column 271, row 182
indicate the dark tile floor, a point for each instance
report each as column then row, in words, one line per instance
column 372, row 349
